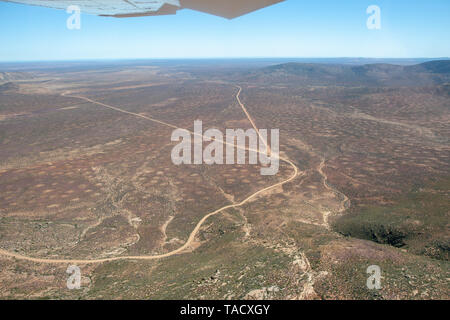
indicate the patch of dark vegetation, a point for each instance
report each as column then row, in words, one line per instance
column 379, row 233
column 418, row 221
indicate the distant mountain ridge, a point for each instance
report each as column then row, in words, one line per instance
column 428, row 73
column 439, row 66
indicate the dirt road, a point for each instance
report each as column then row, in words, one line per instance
column 345, row 200
column 194, row 232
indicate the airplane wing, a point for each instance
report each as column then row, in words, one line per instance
column 134, row 8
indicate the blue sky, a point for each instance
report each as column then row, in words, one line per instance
column 295, row 28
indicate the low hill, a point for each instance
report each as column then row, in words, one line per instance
column 14, row 76
column 9, row 86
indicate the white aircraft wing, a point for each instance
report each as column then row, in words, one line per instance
column 134, row 8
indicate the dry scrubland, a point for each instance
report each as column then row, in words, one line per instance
column 81, row 181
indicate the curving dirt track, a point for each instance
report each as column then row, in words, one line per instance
column 194, row 232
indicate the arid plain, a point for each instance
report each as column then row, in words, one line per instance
column 86, row 178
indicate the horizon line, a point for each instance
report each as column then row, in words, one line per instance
column 219, row 58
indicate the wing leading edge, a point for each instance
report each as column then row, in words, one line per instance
column 135, row 8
